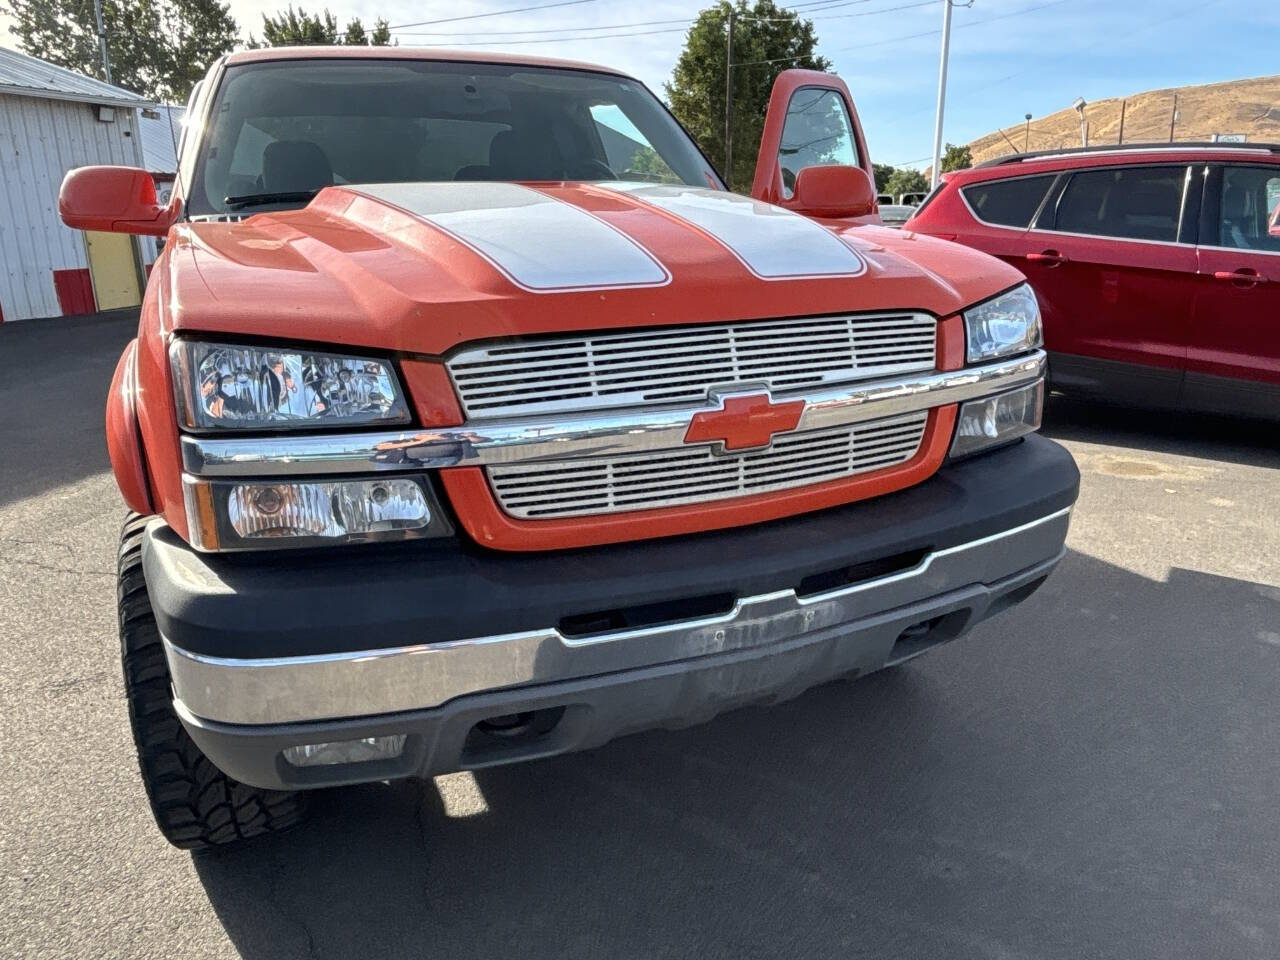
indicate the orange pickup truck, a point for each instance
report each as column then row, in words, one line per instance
column 472, row 420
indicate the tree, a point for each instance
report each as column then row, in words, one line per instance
column 883, row 172
column 381, row 36
column 647, row 164
column 158, row 48
column 956, row 158
column 767, row 39
column 290, row 28
column 205, row 33
column 906, row 181
column 355, row 35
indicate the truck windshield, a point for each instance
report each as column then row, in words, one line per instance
column 281, row 130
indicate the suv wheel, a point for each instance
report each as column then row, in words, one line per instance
column 194, row 803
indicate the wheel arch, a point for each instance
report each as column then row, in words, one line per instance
column 124, row 442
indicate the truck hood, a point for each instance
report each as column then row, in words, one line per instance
column 421, row 267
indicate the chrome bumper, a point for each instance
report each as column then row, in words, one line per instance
column 575, row 436
column 373, row 682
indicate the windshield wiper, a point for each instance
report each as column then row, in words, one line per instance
column 254, row 199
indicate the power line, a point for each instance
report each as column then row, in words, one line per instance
column 833, row 4
column 797, row 10
column 913, row 36
column 970, row 23
column 594, row 36
column 513, row 33
column 1186, row 11
column 847, row 16
column 495, row 13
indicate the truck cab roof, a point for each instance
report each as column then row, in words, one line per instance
column 411, row 53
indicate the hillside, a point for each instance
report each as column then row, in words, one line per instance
column 1250, row 107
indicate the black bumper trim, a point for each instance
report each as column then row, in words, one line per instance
column 590, row 711
column 321, row 602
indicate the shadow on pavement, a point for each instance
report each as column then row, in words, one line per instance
column 54, row 376
column 1232, row 439
column 1091, row 774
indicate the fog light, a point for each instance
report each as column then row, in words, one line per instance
column 346, row 751
column 993, row 421
column 231, row 515
column 330, row 509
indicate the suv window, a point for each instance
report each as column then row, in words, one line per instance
column 816, row 133
column 1249, row 197
column 297, row 126
column 1010, row 203
column 1138, row 203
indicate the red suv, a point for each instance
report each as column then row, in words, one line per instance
column 1158, row 279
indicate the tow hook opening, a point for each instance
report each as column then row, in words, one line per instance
column 507, row 737
column 919, row 637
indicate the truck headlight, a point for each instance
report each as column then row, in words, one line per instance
column 995, row 421
column 228, row 387
column 1004, row 325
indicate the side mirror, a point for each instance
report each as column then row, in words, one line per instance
column 833, row 192
column 1275, row 222
column 113, row 200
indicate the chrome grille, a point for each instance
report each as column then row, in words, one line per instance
column 677, row 364
column 666, row 478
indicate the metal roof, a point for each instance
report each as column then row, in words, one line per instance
column 26, row 76
column 160, row 130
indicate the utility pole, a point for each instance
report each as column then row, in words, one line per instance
column 1026, row 134
column 102, row 40
column 942, row 93
column 1079, row 106
column 728, row 105
column 1123, row 103
column 1173, row 117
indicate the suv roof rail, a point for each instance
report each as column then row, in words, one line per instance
column 1129, row 148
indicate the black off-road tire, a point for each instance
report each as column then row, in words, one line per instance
column 194, row 803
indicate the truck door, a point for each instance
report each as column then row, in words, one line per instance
column 811, row 122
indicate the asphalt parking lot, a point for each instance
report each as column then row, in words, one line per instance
column 1094, row 774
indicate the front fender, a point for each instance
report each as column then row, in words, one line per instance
column 124, row 445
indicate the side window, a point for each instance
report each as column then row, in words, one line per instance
column 1009, row 203
column 1136, row 203
column 627, row 151
column 816, row 133
column 1249, row 197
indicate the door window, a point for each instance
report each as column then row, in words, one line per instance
column 1249, row 197
column 816, row 133
column 1009, row 203
column 1136, row 203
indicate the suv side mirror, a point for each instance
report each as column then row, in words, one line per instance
column 1275, row 222
column 832, row 192
column 113, row 200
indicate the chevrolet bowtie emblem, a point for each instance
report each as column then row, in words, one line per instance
column 745, row 422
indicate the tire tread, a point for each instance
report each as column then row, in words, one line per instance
column 195, row 804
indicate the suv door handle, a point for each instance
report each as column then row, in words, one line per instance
column 1050, row 258
column 1245, row 276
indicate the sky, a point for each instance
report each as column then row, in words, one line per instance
column 1008, row 57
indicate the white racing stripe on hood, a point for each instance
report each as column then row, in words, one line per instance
column 773, row 243
column 538, row 242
